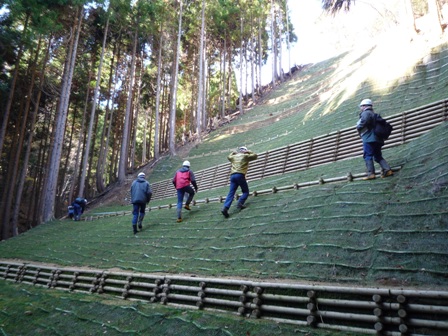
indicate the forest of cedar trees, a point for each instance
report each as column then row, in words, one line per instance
column 92, row 90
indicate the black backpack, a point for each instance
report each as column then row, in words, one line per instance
column 381, row 127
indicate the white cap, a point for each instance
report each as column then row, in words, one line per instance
column 142, row 174
column 186, row 163
column 242, row 149
column 366, row 102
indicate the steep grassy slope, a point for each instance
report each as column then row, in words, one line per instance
column 391, row 230
column 322, row 99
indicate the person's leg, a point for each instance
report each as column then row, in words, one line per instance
column 77, row 212
column 180, row 198
column 135, row 213
column 141, row 215
column 378, row 157
column 230, row 195
column 368, row 158
column 232, row 190
column 190, row 191
column 245, row 192
column 70, row 211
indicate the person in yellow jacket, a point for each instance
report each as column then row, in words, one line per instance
column 240, row 163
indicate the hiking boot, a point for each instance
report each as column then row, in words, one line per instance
column 369, row 177
column 134, row 228
column 179, row 220
column 387, row 173
column 225, row 212
column 187, row 207
column 370, row 170
column 140, row 226
column 241, row 206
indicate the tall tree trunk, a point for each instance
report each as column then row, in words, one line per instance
column 229, row 78
column 6, row 113
column 9, row 227
column 80, row 143
column 102, row 155
column 260, row 59
column 252, row 68
column 280, row 52
column 137, row 105
column 200, row 108
column 123, row 164
column 164, row 116
column 51, row 179
column 288, row 38
column 42, row 158
column 246, row 72
column 150, row 141
column 241, row 66
column 13, row 181
column 145, row 127
column 172, row 129
column 223, row 96
column 204, row 96
column 29, row 140
column 159, row 87
column 92, row 114
column 274, row 44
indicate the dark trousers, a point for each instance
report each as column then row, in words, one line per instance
column 181, row 193
column 372, row 151
column 138, row 209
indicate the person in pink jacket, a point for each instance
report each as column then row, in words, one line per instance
column 182, row 180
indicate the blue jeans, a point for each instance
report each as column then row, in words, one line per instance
column 237, row 180
column 138, row 209
column 372, row 151
column 180, row 197
column 181, row 193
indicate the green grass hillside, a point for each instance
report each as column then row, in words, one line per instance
column 386, row 232
column 321, row 99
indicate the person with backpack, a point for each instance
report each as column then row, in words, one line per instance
column 78, row 207
column 240, row 163
column 140, row 196
column 372, row 142
column 182, row 181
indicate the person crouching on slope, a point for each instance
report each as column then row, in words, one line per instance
column 182, row 181
column 240, row 163
column 140, row 196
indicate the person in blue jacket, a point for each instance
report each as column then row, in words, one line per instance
column 79, row 205
column 372, row 144
column 140, row 196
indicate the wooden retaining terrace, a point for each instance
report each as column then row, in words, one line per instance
column 317, row 151
column 369, row 310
